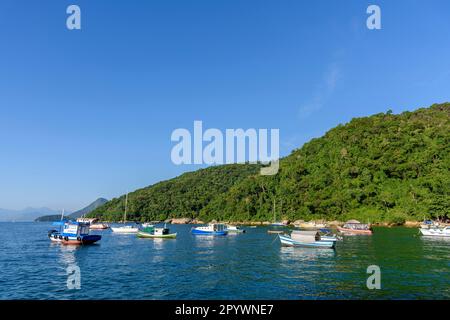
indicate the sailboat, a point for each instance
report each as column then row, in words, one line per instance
column 125, row 229
column 275, row 222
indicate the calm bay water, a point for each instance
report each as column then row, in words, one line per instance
column 245, row 266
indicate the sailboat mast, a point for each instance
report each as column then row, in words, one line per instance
column 126, row 205
column 274, row 214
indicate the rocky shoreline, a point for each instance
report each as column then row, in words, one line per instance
column 334, row 223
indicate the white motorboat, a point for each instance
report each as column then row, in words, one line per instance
column 125, row 229
column 435, row 232
column 234, row 229
column 147, row 225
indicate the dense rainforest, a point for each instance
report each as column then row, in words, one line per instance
column 382, row 168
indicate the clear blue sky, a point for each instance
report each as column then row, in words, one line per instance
column 89, row 113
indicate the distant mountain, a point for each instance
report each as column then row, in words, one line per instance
column 77, row 214
column 27, row 214
column 94, row 205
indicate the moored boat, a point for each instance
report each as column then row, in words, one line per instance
column 147, row 224
column 234, row 229
column 151, row 232
column 355, row 227
column 125, row 229
column 435, row 232
column 311, row 225
column 99, row 226
column 275, row 231
column 307, row 239
column 214, row 229
column 73, row 233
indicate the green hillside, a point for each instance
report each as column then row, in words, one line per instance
column 183, row 196
column 384, row 167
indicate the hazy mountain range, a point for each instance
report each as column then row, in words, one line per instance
column 27, row 214
column 45, row 214
column 94, row 205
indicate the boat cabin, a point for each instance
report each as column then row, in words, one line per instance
column 75, row 229
column 305, row 236
column 161, row 231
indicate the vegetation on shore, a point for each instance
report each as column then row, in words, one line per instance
column 383, row 168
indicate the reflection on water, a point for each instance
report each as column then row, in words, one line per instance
column 66, row 253
column 305, row 254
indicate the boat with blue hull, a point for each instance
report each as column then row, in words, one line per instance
column 73, row 233
column 309, row 239
column 212, row 229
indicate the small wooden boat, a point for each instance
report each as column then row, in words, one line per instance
column 275, row 231
column 213, row 229
column 234, row 229
column 156, row 233
column 73, row 233
column 307, row 239
column 99, row 226
column 311, row 225
column 355, row 227
column 435, row 232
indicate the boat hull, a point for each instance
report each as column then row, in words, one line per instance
column 98, row 227
column 434, row 232
column 141, row 234
column 328, row 238
column 84, row 240
column 354, row 231
column 125, row 230
column 287, row 241
column 209, row 233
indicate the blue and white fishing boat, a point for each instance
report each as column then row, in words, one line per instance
column 73, row 232
column 213, row 229
column 311, row 239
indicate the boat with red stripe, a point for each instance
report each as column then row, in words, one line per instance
column 73, row 233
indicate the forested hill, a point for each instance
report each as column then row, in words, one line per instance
column 180, row 197
column 384, row 167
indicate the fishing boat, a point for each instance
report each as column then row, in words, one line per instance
column 435, row 232
column 125, row 229
column 355, row 227
column 307, row 239
column 151, row 232
column 73, row 233
column 214, row 229
column 234, row 229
